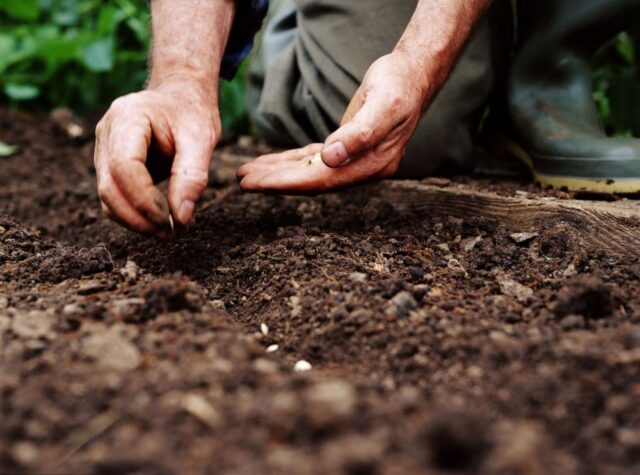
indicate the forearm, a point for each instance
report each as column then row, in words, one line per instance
column 189, row 39
column 434, row 38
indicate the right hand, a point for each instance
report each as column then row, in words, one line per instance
column 168, row 131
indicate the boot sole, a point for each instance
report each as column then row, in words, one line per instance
column 508, row 147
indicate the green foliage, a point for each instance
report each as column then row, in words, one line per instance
column 83, row 54
column 617, row 84
column 77, row 53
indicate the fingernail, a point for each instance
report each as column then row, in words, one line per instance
column 160, row 213
column 186, row 211
column 338, row 150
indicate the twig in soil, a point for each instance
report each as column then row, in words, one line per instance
column 328, row 277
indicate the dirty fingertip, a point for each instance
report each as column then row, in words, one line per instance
column 335, row 154
column 158, row 212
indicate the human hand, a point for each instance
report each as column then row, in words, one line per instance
column 168, row 131
column 370, row 143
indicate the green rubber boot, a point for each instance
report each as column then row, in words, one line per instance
column 550, row 96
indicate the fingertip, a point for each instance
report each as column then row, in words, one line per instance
column 335, row 155
column 185, row 212
column 243, row 170
column 249, row 183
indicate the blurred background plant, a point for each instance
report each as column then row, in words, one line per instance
column 83, row 53
column 617, row 84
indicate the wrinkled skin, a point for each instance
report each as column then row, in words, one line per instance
column 147, row 137
column 370, row 143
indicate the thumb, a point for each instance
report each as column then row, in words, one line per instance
column 367, row 128
column 189, row 177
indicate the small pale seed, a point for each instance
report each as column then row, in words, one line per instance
column 302, row 366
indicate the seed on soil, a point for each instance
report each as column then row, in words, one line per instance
column 171, row 225
column 272, row 348
column 301, row 366
column 264, row 329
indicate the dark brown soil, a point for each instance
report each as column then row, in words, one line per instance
column 437, row 346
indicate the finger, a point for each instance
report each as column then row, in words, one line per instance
column 304, row 179
column 114, row 205
column 128, row 144
column 118, row 209
column 368, row 127
column 256, row 167
column 288, row 155
column 189, row 174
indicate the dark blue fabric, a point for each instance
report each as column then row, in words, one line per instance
column 248, row 21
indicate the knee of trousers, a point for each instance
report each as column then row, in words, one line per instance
column 441, row 145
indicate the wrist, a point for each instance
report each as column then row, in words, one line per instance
column 183, row 78
column 422, row 74
column 187, row 91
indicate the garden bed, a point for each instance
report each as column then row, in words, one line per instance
column 500, row 338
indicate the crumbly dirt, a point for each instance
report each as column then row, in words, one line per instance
column 436, row 345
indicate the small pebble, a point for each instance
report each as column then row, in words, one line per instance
column 130, row 271
column 357, row 277
column 455, row 266
column 111, row 350
column 33, row 324
column 330, row 403
column 522, row 238
column 401, row 304
column 471, row 243
column 272, row 348
column 301, row 366
column 91, row 287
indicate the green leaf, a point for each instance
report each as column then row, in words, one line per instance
column 7, row 150
column 25, row 10
column 108, row 21
column 624, row 45
column 98, row 56
column 21, row 92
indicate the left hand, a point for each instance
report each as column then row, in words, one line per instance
column 369, row 144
